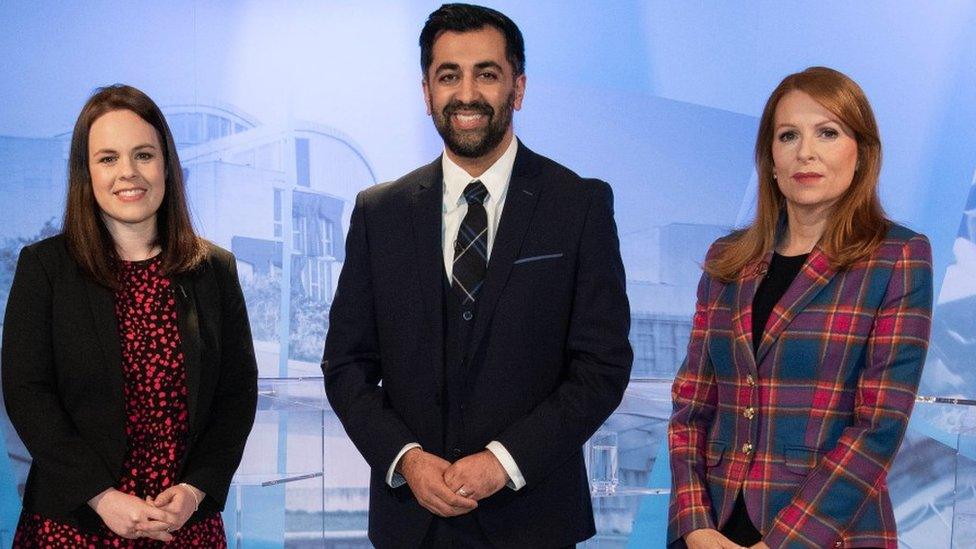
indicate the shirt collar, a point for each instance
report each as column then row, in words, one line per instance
column 495, row 178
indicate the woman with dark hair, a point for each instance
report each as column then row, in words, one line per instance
column 128, row 368
column 807, row 344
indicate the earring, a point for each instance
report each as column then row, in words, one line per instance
column 774, row 175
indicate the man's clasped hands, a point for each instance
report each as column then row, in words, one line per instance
column 451, row 489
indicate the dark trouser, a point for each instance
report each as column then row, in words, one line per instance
column 461, row 532
column 739, row 527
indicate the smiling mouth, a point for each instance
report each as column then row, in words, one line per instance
column 127, row 195
column 467, row 121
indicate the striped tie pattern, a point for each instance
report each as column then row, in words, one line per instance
column 471, row 245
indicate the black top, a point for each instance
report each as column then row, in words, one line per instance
column 782, row 270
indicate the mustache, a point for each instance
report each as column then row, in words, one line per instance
column 477, row 107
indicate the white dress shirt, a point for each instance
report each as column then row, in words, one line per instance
column 495, row 179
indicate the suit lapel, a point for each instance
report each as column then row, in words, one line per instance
column 813, row 277
column 427, row 215
column 520, row 202
column 188, row 320
column 745, row 290
column 102, row 302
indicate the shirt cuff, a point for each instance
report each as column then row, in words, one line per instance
column 394, row 479
column 515, row 479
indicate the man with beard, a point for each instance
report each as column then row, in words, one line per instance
column 478, row 334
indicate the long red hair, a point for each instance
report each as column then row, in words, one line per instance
column 857, row 223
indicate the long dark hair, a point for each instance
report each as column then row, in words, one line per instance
column 857, row 223
column 88, row 239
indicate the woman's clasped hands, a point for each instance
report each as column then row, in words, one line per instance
column 154, row 518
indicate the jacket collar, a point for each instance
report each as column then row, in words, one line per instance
column 814, row 275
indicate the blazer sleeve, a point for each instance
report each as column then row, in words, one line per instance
column 217, row 451
column 694, row 396
column 30, row 390
column 599, row 356
column 351, row 360
column 833, row 494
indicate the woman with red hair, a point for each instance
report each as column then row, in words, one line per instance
column 807, row 345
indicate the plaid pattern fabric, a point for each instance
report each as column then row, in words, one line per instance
column 471, row 245
column 808, row 426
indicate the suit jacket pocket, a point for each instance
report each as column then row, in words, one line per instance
column 800, row 459
column 536, row 258
column 713, row 456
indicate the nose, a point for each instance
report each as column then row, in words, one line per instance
column 468, row 90
column 127, row 167
column 807, row 149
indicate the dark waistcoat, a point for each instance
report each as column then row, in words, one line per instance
column 458, row 323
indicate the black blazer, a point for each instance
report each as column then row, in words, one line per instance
column 550, row 358
column 63, row 381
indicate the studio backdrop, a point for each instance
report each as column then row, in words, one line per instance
column 283, row 111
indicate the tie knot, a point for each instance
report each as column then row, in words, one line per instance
column 475, row 192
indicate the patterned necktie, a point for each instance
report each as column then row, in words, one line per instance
column 471, row 245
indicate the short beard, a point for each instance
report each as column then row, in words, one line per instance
column 475, row 144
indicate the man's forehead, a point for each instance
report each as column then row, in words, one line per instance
column 469, row 47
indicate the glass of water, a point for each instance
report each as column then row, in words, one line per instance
column 603, row 463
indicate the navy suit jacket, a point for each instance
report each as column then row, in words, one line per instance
column 549, row 354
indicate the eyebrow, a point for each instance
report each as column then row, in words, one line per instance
column 488, row 65
column 447, row 67
column 136, row 148
column 477, row 66
column 817, row 125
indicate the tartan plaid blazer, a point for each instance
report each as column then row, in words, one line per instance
column 808, row 426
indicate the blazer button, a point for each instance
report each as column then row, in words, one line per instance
column 466, row 315
column 751, row 380
column 749, row 412
column 456, row 452
column 747, row 448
